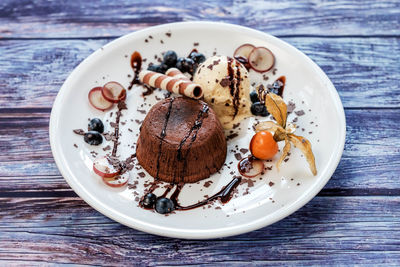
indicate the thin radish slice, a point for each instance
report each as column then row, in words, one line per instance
column 261, row 59
column 250, row 167
column 117, row 181
column 103, row 167
column 114, row 92
column 243, row 51
column 97, row 100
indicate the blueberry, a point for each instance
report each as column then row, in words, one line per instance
column 185, row 65
column 259, row 109
column 93, row 138
column 164, row 205
column 96, row 125
column 254, row 97
column 149, row 200
column 170, row 58
column 197, row 57
column 155, row 68
column 164, row 67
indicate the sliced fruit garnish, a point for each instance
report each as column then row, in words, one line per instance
column 250, row 167
column 114, row 92
column 103, row 167
column 117, row 181
column 261, row 59
column 243, row 51
column 97, row 100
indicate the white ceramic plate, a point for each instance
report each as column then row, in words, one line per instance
column 307, row 86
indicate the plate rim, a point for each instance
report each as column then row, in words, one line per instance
column 198, row 234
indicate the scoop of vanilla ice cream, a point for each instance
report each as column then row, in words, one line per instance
column 226, row 87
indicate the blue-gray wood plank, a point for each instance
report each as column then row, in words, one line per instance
column 354, row 219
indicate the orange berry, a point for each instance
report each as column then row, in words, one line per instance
column 263, row 145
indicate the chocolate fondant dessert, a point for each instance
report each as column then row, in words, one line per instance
column 181, row 140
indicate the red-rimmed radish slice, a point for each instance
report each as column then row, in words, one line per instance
column 243, row 51
column 97, row 100
column 250, row 167
column 103, row 167
column 114, row 92
column 117, row 181
column 261, row 59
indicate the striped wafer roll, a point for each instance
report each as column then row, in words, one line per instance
column 174, row 72
column 172, row 84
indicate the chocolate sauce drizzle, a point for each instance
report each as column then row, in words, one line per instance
column 195, row 129
column 196, row 126
column 163, row 134
column 121, row 106
column 234, row 85
column 136, row 64
column 224, row 195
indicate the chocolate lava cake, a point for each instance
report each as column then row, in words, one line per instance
column 181, row 140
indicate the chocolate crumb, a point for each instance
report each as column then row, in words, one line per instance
column 75, row 145
column 141, row 111
column 291, row 107
column 142, row 174
column 146, row 40
column 231, row 136
column 299, row 113
column 196, row 44
column 79, row 131
column 168, row 34
column 207, row 184
column 238, row 156
column 108, row 147
column 122, row 105
column 244, row 150
column 271, row 184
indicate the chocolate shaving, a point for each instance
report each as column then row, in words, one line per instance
column 225, row 82
column 244, row 150
column 231, row 136
column 290, row 107
column 238, row 156
column 122, row 105
column 79, row 131
column 299, row 113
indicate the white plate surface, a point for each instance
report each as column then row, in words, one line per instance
column 307, row 86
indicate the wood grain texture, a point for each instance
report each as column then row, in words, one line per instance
column 75, row 18
column 370, row 162
column 327, row 231
column 364, row 70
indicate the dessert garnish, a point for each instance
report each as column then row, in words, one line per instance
column 93, row 136
column 97, row 100
column 263, row 146
column 184, row 64
column 283, row 131
column 117, row 181
column 250, row 167
column 104, row 167
column 181, row 86
column 260, row 59
column 113, row 92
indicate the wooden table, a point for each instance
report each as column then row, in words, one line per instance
column 355, row 219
